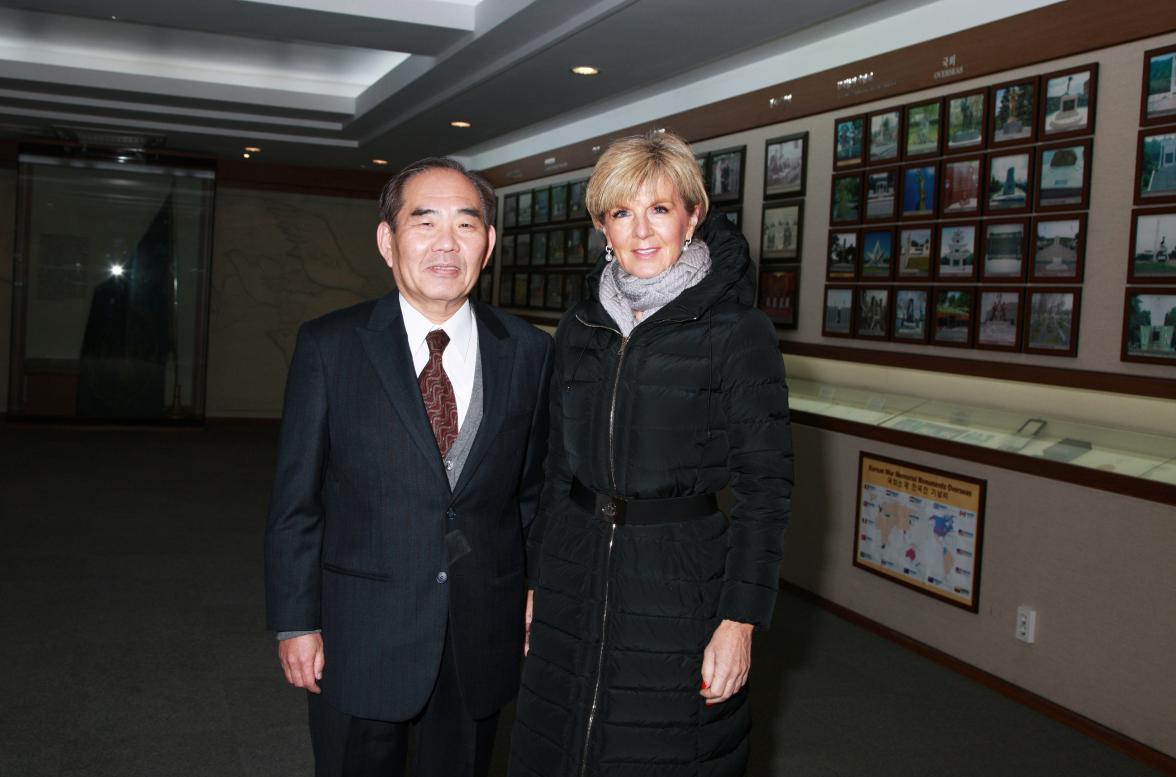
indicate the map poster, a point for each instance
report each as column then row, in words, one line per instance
column 920, row 527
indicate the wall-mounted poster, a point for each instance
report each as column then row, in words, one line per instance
column 998, row 319
column 1014, row 113
column 1004, row 250
column 726, row 175
column 1153, row 247
column 1051, row 323
column 1058, row 249
column 885, row 132
column 778, row 295
column 922, row 129
column 910, row 315
column 1010, row 182
column 1067, row 106
column 916, row 246
column 1159, row 86
column 1063, row 176
column 919, row 191
column 784, row 166
column 965, row 121
column 921, row 528
column 780, row 240
column 1155, row 167
column 882, row 194
column 849, row 142
column 1149, row 321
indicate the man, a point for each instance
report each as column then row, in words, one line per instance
column 410, row 465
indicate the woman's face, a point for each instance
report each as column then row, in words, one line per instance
column 647, row 234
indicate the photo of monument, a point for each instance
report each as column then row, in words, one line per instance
column 1154, row 256
column 877, row 253
column 957, row 251
column 843, row 247
column 953, row 316
column 965, row 121
column 884, row 135
column 1157, row 174
column 1051, row 316
column 919, row 190
column 1003, row 250
column 910, row 314
column 881, row 194
column 961, row 186
column 850, row 134
column 999, row 312
column 1014, row 110
column 838, row 311
column 1067, row 103
column 847, row 198
column 922, row 130
column 1008, row 181
column 873, row 312
column 1055, row 252
column 1151, row 322
column 785, row 167
column 781, row 232
column 1063, row 171
column 914, row 252
column 1161, row 85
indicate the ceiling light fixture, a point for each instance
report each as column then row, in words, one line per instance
column 246, row 155
column 380, row 162
column 253, row 149
column 460, row 124
column 585, row 70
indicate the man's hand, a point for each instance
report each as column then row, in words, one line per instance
column 302, row 661
column 726, row 661
column 527, row 621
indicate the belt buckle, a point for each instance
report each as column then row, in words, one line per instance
column 611, row 509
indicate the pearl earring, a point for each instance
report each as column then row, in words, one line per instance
column 608, row 253
column 687, row 243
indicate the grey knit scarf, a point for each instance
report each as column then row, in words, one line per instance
column 623, row 295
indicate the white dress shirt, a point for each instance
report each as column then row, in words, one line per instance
column 459, row 357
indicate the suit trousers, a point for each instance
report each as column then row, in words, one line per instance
column 447, row 742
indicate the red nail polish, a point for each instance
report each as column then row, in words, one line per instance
column 704, row 685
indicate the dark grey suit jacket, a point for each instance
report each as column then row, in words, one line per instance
column 355, row 541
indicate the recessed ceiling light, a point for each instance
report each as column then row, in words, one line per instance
column 585, row 70
column 246, row 155
column 253, row 149
column 460, row 124
column 380, row 162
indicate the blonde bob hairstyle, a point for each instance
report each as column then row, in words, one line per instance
column 628, row 164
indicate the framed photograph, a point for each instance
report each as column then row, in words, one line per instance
column 553, row 299
column 882, row 194
column 962, row 192
column 486, row 287
column 537, row 296
column 785, row 165
column 1051, row 321
column 1149, row 320
column 1067, row 102
column 780, row 238
column 957, row 251
column 916, row 247
column 726, row 175
column 965, row 121
column 573, row 290
column 522, row 287
column 1003, row 246
column 841, row 262
column 1010, row 182
column 523, row 248
column 849, row 142
column 541, row 199
column 506, row 250
column 952, row 322
column 779, row 294
column 1063, row 176
column 846, row 205
column 1014, row 113
column 1155, row 167
column 510, row 211
column 920, row 528
column 1058, row 248
column 576, row 209
column 594, row 244
column 873, row 313
column 998, row 319
column 919, row 190
column 575, row 246
column 1153, row 247
column 734, row 213
column 505, row 289
column 922, row 129
column 1159, row 86
column 885, row 134
column 556, row 247
column 538, row 248
column 910, row 315
column 559, row 202
column 877, row 254
column 838, row 315
column 525, row 213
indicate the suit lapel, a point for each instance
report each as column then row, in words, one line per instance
column 386, row 344
column 498, row 352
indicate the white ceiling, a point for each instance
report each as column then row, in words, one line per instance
column 339, row 82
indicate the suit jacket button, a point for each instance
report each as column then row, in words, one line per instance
column 451, row 514
column 442, row 577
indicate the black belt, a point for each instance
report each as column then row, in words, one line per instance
column 620, row 511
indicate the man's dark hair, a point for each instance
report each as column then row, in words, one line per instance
column 392, row 196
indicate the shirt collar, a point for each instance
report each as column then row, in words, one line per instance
column 459, row 327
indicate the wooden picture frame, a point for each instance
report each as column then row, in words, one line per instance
column 506, row 250
column 998, row 318
column 1063, row 176
column 556, row 247
column 961, row 188
column 910, row 322
column 537, row 291
column 1051, row 321
column 1068, row 110
column 559, row 202
column 877, row 254
column 959, row 245
column 1157, row 104
column 523, row 249
column 576, row 209
column 538, row 249
column 842, row 254
column 510, row 211
column 953, row 315
column 881, row 195
column 726, row 170
column 965, row 131
column 1141, row 308
column 1009, row 188
column 781, row 231
column 553, row 292
column 915, row 252
column 838, row 311
column 733, row 212
column 923, row 129
column 1058, row 248
column 525, row 213
column 1013, row 113
column 885, row 136
column 919, row 198
column 871, row 320
column 522, row 288
column 1004, row 250
column 1155, row 166
column 1151, row 258
column 786, row 166
column 541, row 199
column 932, row 505
column 849, row 142
column 846, row 199
column 778, row 294
column 576, row 246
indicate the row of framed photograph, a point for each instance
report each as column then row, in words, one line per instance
column 1001, row 318
column 1054, row 177
column 1050, row 107
column 545, row 205
column 574, row 245
column 557, row 291
column 1046, row 249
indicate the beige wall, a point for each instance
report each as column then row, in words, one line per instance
column 1096, row 566
column 278, row 260
column 7, row 227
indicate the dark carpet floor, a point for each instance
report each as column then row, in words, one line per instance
column 132, row 638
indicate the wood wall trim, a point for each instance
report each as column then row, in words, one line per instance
column 360, row 184
column 1125, row 485
column 1054, row 31
column 1138, row 385
column 1145, row 754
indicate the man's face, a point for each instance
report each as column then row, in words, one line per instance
column 440, row 244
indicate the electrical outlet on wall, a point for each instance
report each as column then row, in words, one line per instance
column 1026, row 630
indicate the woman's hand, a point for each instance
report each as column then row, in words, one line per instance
column 726, row 661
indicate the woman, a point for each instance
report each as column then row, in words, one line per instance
column 668, row 387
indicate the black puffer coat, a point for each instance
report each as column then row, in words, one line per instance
column 692, row 402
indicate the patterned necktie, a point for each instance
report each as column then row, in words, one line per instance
column 437, row 392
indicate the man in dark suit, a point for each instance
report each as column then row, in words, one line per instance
column 410, row 465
